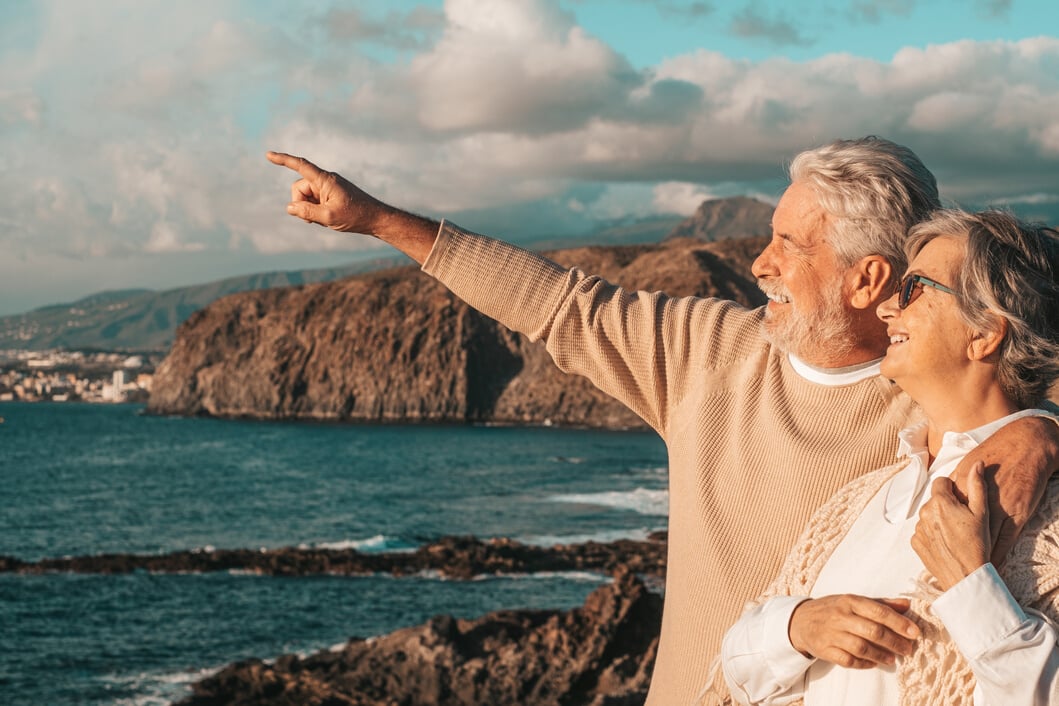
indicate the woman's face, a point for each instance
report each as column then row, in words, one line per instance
column 928, row 338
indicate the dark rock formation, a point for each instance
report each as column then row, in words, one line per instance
column 452, row 557
column 720, row 219
column 396, row 346
column 600, row 654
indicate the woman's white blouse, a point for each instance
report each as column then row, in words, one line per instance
column 1012, row 655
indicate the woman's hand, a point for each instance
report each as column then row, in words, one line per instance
column 853, row 631
column 952, row 537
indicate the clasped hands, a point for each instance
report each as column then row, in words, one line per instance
column 952, row 538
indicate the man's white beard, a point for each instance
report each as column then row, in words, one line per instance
column 825, row 331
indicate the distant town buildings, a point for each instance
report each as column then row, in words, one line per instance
column 66, row 376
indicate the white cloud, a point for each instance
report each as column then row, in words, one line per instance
column 515, row 65
column 1048, row 138
column 680, row 197
column 152, row 138
column 19, row 107
column 166, row 239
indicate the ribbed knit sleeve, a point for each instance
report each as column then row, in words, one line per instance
column 635, row 346
column 520, row 289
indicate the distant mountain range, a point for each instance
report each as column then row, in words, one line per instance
column 143, row 320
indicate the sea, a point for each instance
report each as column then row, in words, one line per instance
column 79, row 479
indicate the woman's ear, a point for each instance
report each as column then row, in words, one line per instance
column 985, row 343
column 868, row 282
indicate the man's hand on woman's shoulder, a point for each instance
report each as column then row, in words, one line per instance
column 1019, row 460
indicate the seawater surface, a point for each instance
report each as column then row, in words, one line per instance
column 82, row 479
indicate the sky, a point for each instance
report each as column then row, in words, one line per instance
column 133, row 132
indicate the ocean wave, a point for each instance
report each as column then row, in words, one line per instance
column 157, row 688
column 651, row 470
column 579, row 576
column 436, row 575
column 642, row 500
column 602, row 536
column 372, row 545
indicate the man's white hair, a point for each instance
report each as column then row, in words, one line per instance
column 874, row 191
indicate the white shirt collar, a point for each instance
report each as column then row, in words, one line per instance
column 836, row 376
column 908, row 485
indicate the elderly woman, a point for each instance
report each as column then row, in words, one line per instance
column 974, row 339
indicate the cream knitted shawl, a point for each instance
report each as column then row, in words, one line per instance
column 936, row 673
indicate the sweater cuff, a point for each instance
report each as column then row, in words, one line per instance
column 979, row 611
column 437, row 250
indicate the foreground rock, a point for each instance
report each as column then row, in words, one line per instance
column 452, row 557
column 600, row 654
column 396, row 346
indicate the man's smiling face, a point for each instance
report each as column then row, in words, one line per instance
column 807, row 314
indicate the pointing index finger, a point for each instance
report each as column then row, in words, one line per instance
column 299, row 164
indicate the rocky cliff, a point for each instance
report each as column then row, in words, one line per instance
column 396, row 346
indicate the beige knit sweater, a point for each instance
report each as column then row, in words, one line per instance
column 936, row 674
column 753, row 447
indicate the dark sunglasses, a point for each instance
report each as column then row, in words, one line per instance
column 912, row 285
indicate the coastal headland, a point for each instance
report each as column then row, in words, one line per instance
column 395, row 346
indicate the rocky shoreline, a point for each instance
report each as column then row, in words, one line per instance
column 451, row 557
column 600, row 654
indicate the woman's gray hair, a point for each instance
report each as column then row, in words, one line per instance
column 1011, row 271
column 874, row 190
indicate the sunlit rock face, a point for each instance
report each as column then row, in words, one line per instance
column 396, row 346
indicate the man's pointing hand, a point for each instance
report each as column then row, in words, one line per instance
column 330, row 200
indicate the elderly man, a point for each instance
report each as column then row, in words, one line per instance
column 765, row 413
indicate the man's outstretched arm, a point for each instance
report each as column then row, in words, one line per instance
column 328, row 199
column 1024, row 455
column 631, row 345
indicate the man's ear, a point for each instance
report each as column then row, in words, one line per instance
column 985, row 343
column 868, row 282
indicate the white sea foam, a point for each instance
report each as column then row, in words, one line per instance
column 579, row 576
column 372, row 545
column 602, row 536
column 157, row 688
column 651, row 470
column 642, row 500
